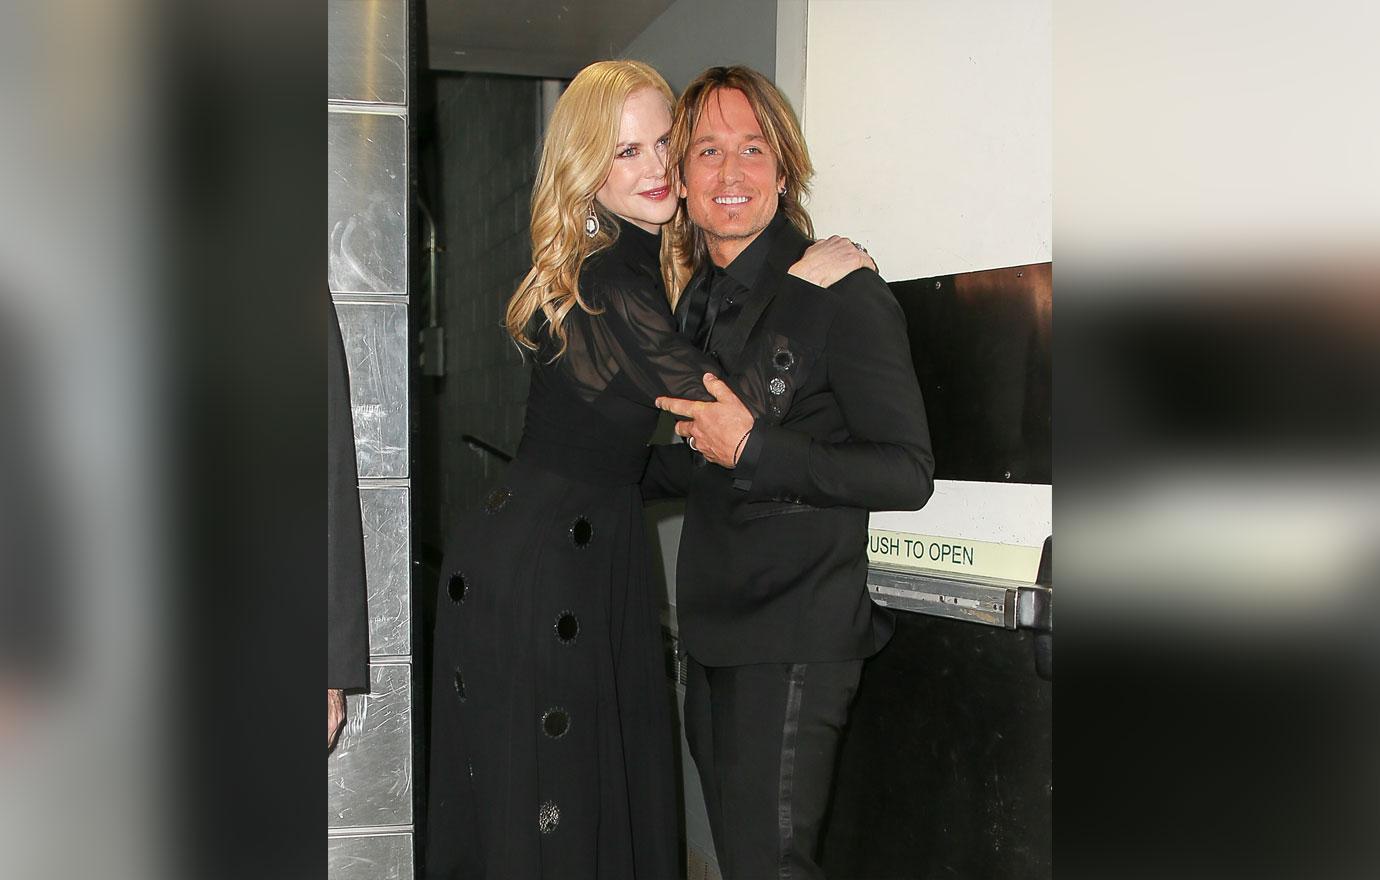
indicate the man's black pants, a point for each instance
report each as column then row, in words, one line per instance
column 764, row 739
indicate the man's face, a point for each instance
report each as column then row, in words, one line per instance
column 731, row 175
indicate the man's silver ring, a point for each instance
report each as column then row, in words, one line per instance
column 690, row 441
column 859, row 247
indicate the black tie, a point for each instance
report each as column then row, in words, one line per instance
column 719, row 285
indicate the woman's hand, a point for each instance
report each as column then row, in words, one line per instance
column 825, row 262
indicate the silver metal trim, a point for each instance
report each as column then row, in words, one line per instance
column 370, row 772
column 385, row 482
column 371, row 831
column 992, row 603
column 372, row 298
column 989, row 601
column 1035, row 608
column 377, row 347
column 400, row 111
column 406, row 66
column 339, row 106
column 395, row 840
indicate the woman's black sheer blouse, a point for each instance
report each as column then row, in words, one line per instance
column 590, row 412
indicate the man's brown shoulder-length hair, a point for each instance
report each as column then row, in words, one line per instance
column 782, row 131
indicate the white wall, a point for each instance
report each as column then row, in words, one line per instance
column 929, row 122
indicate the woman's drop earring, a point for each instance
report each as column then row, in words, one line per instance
column 591, row 222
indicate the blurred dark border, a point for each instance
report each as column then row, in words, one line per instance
column 242, row 153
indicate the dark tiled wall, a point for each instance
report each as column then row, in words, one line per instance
column 486, row 149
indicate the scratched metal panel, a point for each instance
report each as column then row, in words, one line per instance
column 369, row 775
column 370, row 857
column 387, row 569
column 992, row 603
column 376, row 350
column 367, row 58
column 367, row 202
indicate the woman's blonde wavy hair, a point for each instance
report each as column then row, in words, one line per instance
column 575, row 163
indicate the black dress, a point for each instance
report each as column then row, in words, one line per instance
column 552, row 742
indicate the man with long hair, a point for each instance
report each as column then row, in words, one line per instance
column 772, row 597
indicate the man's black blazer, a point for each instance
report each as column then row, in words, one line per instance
column 773, row 554
column 347, row 613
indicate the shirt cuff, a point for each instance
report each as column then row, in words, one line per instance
column 746, row 467
column 782, row 465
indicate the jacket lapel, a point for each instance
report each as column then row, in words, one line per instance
column 785, row 250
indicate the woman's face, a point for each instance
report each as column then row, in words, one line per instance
column 637, row 189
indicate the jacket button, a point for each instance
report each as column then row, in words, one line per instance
column 567, row 627
column 581, row 533
column 458, row 587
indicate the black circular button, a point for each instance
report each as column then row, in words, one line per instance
column 567, row 628
column 581, row 533
column 555, row 722
column 458, row 587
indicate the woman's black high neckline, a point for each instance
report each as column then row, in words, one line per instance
column 639, row 244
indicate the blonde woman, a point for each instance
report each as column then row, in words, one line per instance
column 551, row 752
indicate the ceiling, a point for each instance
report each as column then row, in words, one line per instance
column 545, row 38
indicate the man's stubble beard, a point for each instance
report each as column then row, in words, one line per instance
column 711, row 238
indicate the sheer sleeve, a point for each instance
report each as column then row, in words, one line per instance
column 634, row 337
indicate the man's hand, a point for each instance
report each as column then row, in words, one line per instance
column 825, row 262
column 715, row 430
column 335, row 715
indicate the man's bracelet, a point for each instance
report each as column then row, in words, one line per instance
column 738, row 450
